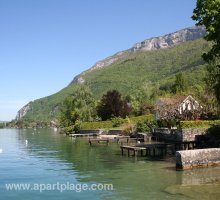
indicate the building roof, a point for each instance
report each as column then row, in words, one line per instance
column 173, row 102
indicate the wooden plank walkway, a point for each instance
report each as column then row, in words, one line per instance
column 119, row 139
column 149, row 149
column 99, row 141
column 134, row 149
column 156, row 149
column 82, row 135
column 129, row 140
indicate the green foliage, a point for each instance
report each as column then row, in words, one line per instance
column 143, row 118
column 96, row 125
column 149, row 68
column 199, row 123
column 142, row 126
column 2, row 125
column 117, row 121
column 110, row 124
column 68, row 130
column 207, row 13
column 66, row 117
column 77, row 127
column 142, row 100
column 72, row 129
column 180, row 83
column 128, row 128
column 169, row 123
column 150, row 74
column 80, row 106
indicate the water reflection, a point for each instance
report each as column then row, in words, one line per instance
column 197, row 184
column 49, row 157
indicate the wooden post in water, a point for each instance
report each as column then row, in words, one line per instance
column 122, row 151
column 154, row 151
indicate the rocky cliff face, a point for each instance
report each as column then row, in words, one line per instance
column 170, row 40
column 166, row 41
column 23, row 111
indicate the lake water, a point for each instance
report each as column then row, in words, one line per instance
column 43, row 158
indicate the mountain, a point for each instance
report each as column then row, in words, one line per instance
column 152, row 44
column 154, row 62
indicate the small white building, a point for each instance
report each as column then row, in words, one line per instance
column 170, row 107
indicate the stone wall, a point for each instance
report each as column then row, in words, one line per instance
column 178, row 135
column 190, row 159
column 191, row 134
column 165, row 134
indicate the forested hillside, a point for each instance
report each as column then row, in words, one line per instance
column 152, row 70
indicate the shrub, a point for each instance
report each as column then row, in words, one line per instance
column 77, row 127
column 142, row 118
column 142, row 126
column 128, row 128
column 68, row 130
column 167, row 123
column 117, row 121
column 199, row 123
column 96, row 125
column 146, row 126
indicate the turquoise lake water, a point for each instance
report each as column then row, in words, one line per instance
column 44, row 157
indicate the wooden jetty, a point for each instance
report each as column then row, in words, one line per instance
column 82, row 135
column 133, row 149
column 99, row 141
column 184, row 145
column 156, row 149
column 118, row 139
column 145, row 149
column 128, row 140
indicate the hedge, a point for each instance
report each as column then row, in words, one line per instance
column 109, row 124
column 96, row 125
column 142, row 118
column 199, row 123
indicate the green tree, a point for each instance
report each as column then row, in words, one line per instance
column 180, row 83
column 142, row 100
column 207, row 13
column 78, row 107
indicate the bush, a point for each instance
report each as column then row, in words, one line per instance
column 168, row 123
column 199, row 123
column 142, row 118
column 117, row 121
column 142, row 126
column 146, row 126
column 96, row 125
column 77, row 127
column 128, row 128
column 67, row 130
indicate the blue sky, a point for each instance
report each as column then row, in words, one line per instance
column 45, row 43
